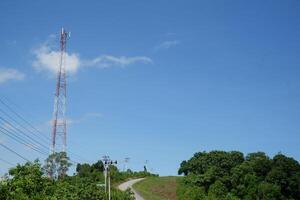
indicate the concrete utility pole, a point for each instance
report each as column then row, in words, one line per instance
column 108, row 184
column 126, row 161
column 107, row 162
column 146, row 165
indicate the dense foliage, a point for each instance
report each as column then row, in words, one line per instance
column 92, row 171
column 231, row 176
column 31, row 181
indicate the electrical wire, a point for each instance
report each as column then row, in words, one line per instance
column 7, row 162
column 19, row 130
column 12, row 151
column 30, row 125
column 19, row 124
column 22, row 118
column 21, row 140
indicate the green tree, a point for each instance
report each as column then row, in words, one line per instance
column 286, row 174
column 184, row 168
column 260, row 163
column 28, row 182
column 230, row 176
column 217, row 190
column 269, row 191
column 98, row 166
column 57, row 165
column 83, row 170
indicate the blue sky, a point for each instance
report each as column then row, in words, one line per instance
column 158, row 80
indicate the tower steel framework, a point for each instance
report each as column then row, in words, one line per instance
column 59, row 122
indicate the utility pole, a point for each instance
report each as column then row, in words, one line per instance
column 146, row 166
column 107, row 163
column 126, row 161
column 108, row 184
column 105, row 160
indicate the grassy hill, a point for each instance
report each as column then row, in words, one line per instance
column 157, row 188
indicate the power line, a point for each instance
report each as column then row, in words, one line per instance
column 25, row 143
column 15, row 121
column 9, row 149
column 22, row 118
column 6, row 162
column 21, row 140
column 29, row 142
column 15, row 128
column 39, row 133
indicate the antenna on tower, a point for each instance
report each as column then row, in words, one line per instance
column 59, row 123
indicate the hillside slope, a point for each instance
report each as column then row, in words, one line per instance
column 157, row 188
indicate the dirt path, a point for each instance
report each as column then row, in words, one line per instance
column 128, row 184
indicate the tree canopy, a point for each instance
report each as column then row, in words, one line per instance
column 31, row 181
column 231, row 175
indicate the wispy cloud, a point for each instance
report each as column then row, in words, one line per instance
column 72, row 121
column 8, row 74
column 168, row 44
column 105, row 61
column 11, row 42
column 47, row 60
column 85, row 117
column 93, row 115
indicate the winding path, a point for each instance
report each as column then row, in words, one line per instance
column 128, row 184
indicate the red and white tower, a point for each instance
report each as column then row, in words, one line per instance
column 59, row 122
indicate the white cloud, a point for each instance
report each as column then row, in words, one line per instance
column 47, row 60
column 7, row 74
column 168, row 44
column 106, row 61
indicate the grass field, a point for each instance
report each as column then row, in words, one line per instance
column 157, row 188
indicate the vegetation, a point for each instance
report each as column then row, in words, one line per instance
column 157, row 188
column 31, row 181
column 215, row 175
column 57, row 165
column 92, row 171
column 231, row 176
